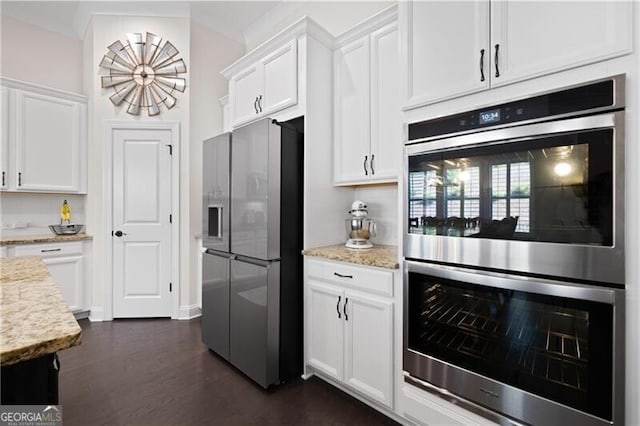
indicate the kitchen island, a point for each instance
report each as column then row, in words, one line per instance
column 36, row 323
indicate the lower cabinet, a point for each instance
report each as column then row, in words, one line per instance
column 349, row 333
column 66, row 264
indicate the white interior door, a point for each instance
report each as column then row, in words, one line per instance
column 141, row 223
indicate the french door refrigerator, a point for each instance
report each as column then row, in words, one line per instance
column 252, row 232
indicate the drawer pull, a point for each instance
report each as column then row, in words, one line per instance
column 50, row 250
column 338, row 307
column 342, row 276
column 346, row 317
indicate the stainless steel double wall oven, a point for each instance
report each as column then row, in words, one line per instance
column 514, row 247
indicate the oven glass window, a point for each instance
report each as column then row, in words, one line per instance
column 554, row 347
column 556, row 189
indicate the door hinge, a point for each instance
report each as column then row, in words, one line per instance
column 170, row 149
column 170, row 218
column 170, row 287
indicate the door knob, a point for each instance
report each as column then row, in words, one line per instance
column 119, row 233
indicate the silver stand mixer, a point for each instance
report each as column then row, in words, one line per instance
column 359, row 228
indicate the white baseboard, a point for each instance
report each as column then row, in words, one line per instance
column 187, row 312
column 96, row 314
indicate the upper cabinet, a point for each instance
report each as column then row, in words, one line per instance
column 451, row 49
column 367, row 122
column 266, row 86
column 44, row 138
column 271, row 79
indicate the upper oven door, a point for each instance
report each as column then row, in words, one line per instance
column 544, row 198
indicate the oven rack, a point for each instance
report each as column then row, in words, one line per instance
column 549, row 344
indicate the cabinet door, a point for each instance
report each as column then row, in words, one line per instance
column 4, row 139
column 351, row 112
column 444, row 49
column 68, row 273
column 537, row 38
column 325, row 328
column 279, row 79
column 48, row 143
column 369, row 346
column 386, row 120
column 243, row 91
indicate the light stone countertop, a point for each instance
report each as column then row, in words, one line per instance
column 45, row 238
column 36, row 320
column 381, row 256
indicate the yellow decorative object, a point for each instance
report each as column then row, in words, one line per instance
column 65, row 213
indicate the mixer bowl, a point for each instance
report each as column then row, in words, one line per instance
column 360, row 229
column 70, row 229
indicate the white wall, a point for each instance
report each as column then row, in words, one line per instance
column 38, row 56
column 31, row 214
column 104, row 30
column 382, row 201
column 210, row 52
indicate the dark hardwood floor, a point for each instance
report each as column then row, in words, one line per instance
column 158, row 372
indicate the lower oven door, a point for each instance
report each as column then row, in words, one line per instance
column 539, row 351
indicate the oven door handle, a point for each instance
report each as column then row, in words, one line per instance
column 610, row 296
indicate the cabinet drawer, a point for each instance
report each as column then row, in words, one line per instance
column 49, row 249
column 367, row 279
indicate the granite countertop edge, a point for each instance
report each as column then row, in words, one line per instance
column 36, row 320
column 380, row 256
column 35, row 239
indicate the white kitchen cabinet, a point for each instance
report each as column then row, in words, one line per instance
column 4, row 139
column 44, row 139
column 367, row 122
column 66, row 264
column 349, row 334
column 451, row 49
column 266, row 86
column 325, row 329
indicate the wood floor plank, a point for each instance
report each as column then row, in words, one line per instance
column 158, row 372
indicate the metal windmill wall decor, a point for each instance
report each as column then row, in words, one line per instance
column 144, row 73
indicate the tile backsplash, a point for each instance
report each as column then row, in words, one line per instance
column 27, row 213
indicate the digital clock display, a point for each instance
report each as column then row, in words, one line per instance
column 491, row 116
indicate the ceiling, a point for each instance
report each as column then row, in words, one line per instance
column 230, row 18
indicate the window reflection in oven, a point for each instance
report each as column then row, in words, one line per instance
column 554, row 347
column 550, row 189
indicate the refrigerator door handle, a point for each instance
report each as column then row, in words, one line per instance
column 253, row 261
column 220, row 254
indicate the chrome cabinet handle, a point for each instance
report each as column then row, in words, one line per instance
column 19, row 178
column 481, row 64
column 342, row 276
column 496, row 61
column 366, row 172
column 373, row 172
column 338, row 307
column 344, row 309
column 50, row 250
column 255, row 104
column 260, row 103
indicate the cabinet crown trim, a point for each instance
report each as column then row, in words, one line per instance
column 43, row 90
column 370, row 24
column 304, row 25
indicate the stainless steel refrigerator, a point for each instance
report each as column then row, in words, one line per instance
column 252, row 232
